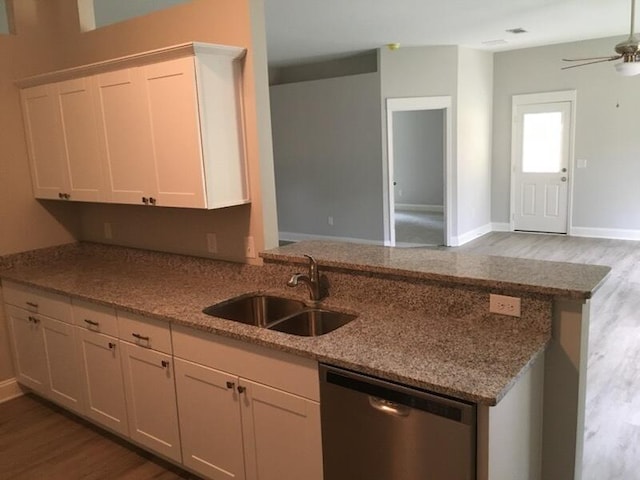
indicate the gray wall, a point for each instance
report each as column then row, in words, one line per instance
column 112, row 11
column 4, row 21
column 418, row 164
column 326, row 137
column 605, row 193
column 474, row 130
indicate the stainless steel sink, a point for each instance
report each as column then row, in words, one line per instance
column 255, row 309
column 313, row 322
column 280, row 314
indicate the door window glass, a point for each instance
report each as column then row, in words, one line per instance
column 542, row 142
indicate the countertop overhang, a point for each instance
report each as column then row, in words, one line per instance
column 559, row 279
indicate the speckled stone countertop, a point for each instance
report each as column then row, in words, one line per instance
column 569, row 280
column 465, row 355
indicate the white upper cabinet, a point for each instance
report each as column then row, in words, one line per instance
column 125, row 135
column 163, row 128
column 44, row 141
column 62, row 141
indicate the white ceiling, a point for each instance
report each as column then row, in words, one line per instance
column 318, row 29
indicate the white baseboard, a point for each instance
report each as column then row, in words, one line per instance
column 613, row 233
column 9, row 389
column 500, row 227
column 298, row 237
column 410, row 207
column 471, row 235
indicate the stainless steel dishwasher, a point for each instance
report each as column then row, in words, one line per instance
column 377, row 430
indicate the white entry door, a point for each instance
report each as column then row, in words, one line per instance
column 542, row 136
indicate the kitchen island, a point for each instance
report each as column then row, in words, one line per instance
column 423, row 317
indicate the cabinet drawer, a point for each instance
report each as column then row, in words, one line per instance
column 271, row 367
column 37, row 301
column 94, row 317
column 145, row 332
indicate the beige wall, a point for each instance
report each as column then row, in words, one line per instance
column 25, row 223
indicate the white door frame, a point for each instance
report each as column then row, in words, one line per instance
column 407, row 105
column 540, row 98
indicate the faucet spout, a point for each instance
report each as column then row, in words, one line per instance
column 312, row 280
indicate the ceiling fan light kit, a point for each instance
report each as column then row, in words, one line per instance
column 628, row 51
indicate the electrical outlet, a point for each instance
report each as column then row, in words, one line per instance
column 108, row 234
column 504, row 305
column 212, row 243
column 249, row 247
column 330, row 220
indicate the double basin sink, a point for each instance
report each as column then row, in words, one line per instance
column 280, row 314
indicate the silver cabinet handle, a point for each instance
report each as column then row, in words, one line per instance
column 91, row 322
column 390, row 408
column 140, row 337
column 32, row 305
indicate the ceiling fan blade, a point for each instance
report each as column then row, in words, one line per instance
column 592, row 58
column 605, row 59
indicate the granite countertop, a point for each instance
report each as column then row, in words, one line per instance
column 568, row 280
column 471, row 357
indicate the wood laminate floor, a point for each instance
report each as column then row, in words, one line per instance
column 39, row 441
column 612, row 438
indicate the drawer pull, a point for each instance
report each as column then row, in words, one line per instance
column 165, row 364
column 112, row 345
column 92, row 323
column 34, row 319
column 32, row 305
column 140, row 337
column 242, row 389
column 230, row 385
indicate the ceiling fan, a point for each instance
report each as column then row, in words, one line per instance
column 628, row 51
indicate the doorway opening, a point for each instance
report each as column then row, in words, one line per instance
column 418, row 139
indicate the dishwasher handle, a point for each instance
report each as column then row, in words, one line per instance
column 389, row 408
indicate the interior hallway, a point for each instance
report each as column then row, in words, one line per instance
column 612, row 443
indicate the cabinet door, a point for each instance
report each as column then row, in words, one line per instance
column 125, row 135
column 64, row 369
column 282, row 436
column 102, row 379
column 209, row 412
column 49, row 172
column 81, row 148
column 175, row 130
column 29, row 355
column 151, row 399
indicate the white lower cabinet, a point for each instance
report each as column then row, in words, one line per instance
column 209, row 410
column 65, row 386
column 102, row 377
column 151, row 399
column 235, row 425
column 281, row 431
column 29, row 355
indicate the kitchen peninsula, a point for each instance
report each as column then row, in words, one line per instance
column 423, row 321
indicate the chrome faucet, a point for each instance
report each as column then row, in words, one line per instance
column 312, row 280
